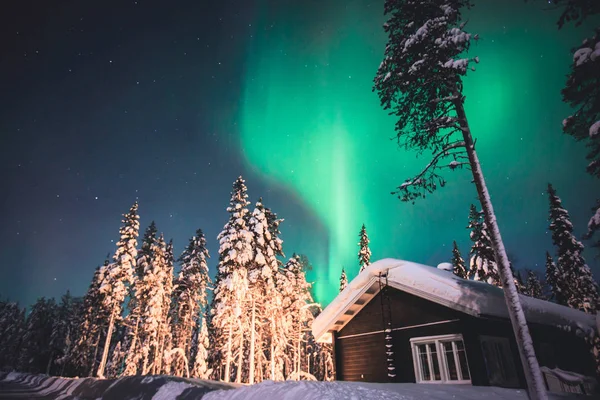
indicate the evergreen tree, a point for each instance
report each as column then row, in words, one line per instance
column 63, row 333
column 262, row 306
column 364, row 253
column 231, row 284
column 165, row 332
column 90, row 327
column 118, row 276
column 582, row 92
column 190, row 296
column 555, row 279
column 151, row 289
column 420, row 82
column 533, row 287
column 483, row 263
column 12, row 330
column 35, row 354
column 575, row 277
column 459, row 269
column 343, row 280
column 297, row 317
column 138, row 302
column 200, row 368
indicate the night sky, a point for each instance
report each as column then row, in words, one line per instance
column 106, row 102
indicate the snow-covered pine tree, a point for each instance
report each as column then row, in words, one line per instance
column 272, row 342
column 420, row 82
column 200, row 368
column 118, row 276
column 343, row 280
column 63, row 333
column 190, row 297
column 12, row 330
column 555, row 281
column 151, row 288
column 575, row 278
column 482, row 266
column 226, row 328
column 533, row 286
column 165, row 339
column 90, row 327
column 582, row 92
column 137, row 303
column 262, row 272
column 364, row 253
column 35, row 353
column 459, row 268
column 297, row 301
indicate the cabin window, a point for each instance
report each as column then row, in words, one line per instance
column 440, row 359
column 499, row 361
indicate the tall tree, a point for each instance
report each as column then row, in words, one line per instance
column 533, row 286
column 35, row 353
column 231, row 284
column 118, row 276
column 262, row 302
column 420, row 82
column 555, row 280
column 63, row 332
column 343, row 280
column 200, row 368
column 582, row 91
column 152, row 289
column 190, row 296
column 364, row 253
column 482, row 266
column 90, row 326
column 12, row 330
column 138, row 302
column 297, row 301
column 575, row 278
column 459, row 268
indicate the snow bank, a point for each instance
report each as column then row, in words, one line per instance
column 472, row 297
column 305, row 390
column 170, row 390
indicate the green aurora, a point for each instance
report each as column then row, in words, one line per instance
column 310, row 123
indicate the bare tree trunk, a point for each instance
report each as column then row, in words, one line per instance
column 227, row 376
column 238, row 376
column 272, row 360
column 533, row 375
column 111, row 326
column 252, row 338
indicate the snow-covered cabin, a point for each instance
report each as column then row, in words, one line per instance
column 400, row 321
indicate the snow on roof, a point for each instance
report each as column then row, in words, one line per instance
column 475, row 298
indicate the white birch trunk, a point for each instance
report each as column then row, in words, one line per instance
column 531, row 368
column 252, row 339
column 227, row 376
column 111, row 326
column 240, row 363
column 272, row 360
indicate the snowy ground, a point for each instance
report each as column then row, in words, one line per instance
column 19, row 386
column 373, row 391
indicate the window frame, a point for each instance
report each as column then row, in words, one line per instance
column 441, row 358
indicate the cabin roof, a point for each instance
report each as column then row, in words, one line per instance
column 478, row 299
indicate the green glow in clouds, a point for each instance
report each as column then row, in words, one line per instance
column 311, row 123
